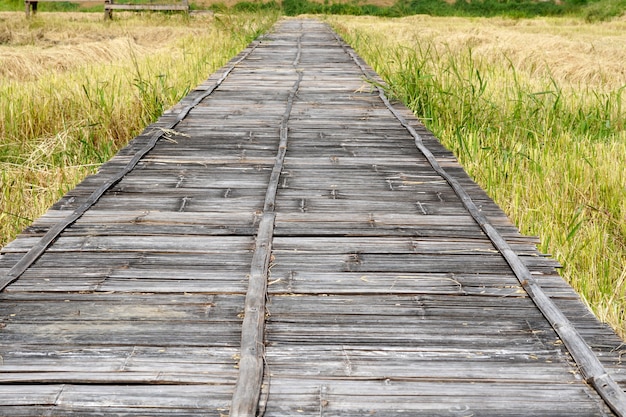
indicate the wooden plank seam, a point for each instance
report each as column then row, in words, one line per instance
column 588, row 363
column 54, row 232
column 247, row 391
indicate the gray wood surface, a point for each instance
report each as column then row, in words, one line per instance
column 289, row 252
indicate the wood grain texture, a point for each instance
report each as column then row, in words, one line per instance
column 289, row 252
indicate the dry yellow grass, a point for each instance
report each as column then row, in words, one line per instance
column 569, row 49
column 61, row 42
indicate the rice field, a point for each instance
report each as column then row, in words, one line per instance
column 535, row 110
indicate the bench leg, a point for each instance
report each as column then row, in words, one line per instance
column 30, row 6
column 108, row 13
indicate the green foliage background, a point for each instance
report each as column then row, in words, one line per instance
column 592, row 10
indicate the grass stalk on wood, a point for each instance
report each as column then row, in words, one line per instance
column 534, row 111
column 73, row 90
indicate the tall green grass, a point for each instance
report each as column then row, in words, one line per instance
column 594, row 10
column 400, row 8
column 550, row 152
column 62, row 115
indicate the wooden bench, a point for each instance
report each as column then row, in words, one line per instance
column 109, row 6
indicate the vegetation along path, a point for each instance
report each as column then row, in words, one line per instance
column 286, row 241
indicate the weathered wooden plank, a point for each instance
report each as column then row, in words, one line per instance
column 156, row 377
column 124, row 333
column 129, row 243
column 118, row 364
column 147, row 260
column 120, row 215
column 248, row 388
column 150, row 223
column 399, row 263
column 314, row 282
column 192, row 203
column 390, row 306
column 96, row 411
column 381, row 245
column 17, row 395
column 51, row 307
column 514, row 365
column 423, row 398
column 110, row 396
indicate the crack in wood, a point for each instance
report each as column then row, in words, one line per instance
column 371, row 220
column 58, row 396
column 181, row 179
column 353, row 262
column 347, row 363
column 140, row 218
column 127, row 359
column 183, row 204
column 290, row 281
column 421, row 307
column 323, row 399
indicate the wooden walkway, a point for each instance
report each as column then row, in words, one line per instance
column 278, row 245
